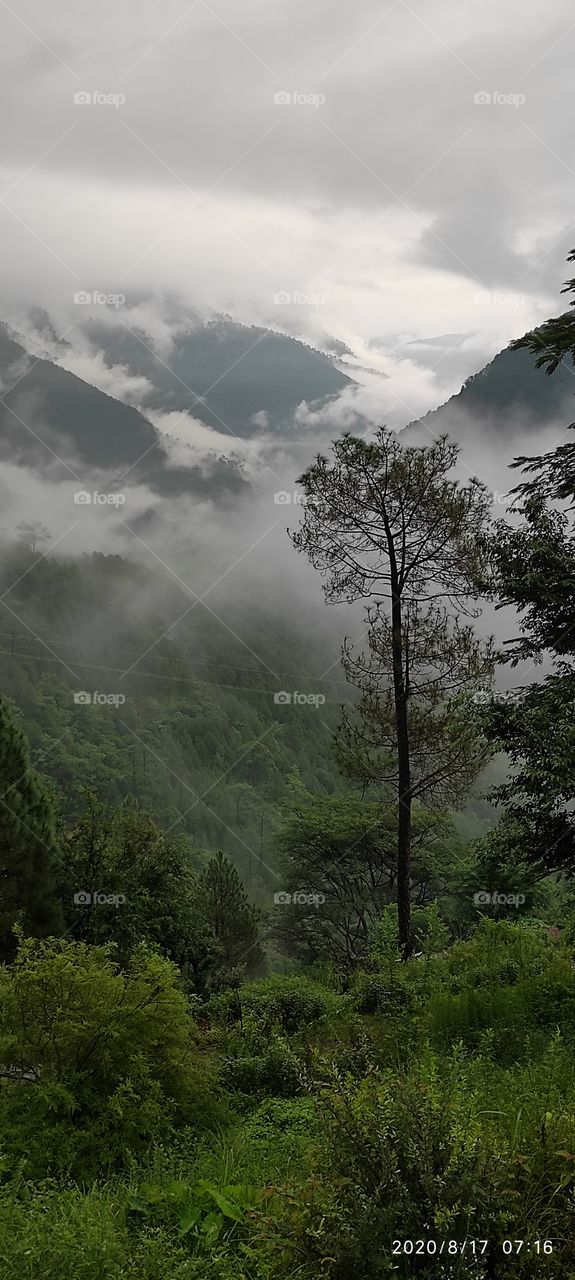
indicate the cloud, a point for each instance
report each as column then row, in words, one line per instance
column 116, row 381
column 187, row 441
column 396, row 198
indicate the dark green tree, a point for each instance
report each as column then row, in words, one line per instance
column 28, row 846
column 234, row 921
column 122, row 853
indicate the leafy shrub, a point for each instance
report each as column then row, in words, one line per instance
column 276, row 1071
column 98, row 1061
column 295, row 1119
column 507, row 978
column 451, row 1149
column 551, row 1000
column 498, row 953
column 373, row 993
column 286, row 1003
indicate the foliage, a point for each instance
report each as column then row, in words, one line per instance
column 28, row 847
column 444, row 1150
column 121, row 853
column 339, row 869
column 534, row 571
column 274, row 1070
column 234, row 922
column 466, row 1133
column 97, row 1061
column 288, row 1004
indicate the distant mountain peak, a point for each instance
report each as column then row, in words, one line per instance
column 509, row 394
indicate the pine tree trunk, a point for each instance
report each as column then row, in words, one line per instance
column 404, row 782
column 404, row 866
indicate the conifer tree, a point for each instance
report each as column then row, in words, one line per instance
column 388, row 525
column 234, row 921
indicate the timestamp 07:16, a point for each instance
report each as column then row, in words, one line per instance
column 527, row 1246
column 474, row 1247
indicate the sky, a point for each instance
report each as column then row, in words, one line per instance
column 396, row 171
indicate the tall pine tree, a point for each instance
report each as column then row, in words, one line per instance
column 233, row 920
column 28, row 846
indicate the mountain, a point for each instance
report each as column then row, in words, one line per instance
column 237, row 380
column 58, row 424
column 233, row 377
column 509, row 396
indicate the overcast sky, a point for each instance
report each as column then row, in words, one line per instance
column 383, row 191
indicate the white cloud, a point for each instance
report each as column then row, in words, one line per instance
column 398, row 198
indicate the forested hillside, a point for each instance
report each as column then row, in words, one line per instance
column 197, row 714
column 506, row 398
column 287, row 640
column 60, row 426
column 223, row 372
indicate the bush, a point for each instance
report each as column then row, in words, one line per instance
column 451, row 1149
column 276, row 1071
column 286, row 1003
column 293, row 1120
column 373, row 993
column 507, row 979
column 551, row 1000
column 497, row 953
column 98, row 1060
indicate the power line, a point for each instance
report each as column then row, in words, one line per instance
column 188, row 662
column 152, row 675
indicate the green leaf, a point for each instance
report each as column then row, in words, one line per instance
column 211, row 1227
column 189, row 1219
column 137, row 1205
column 227, row 1208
